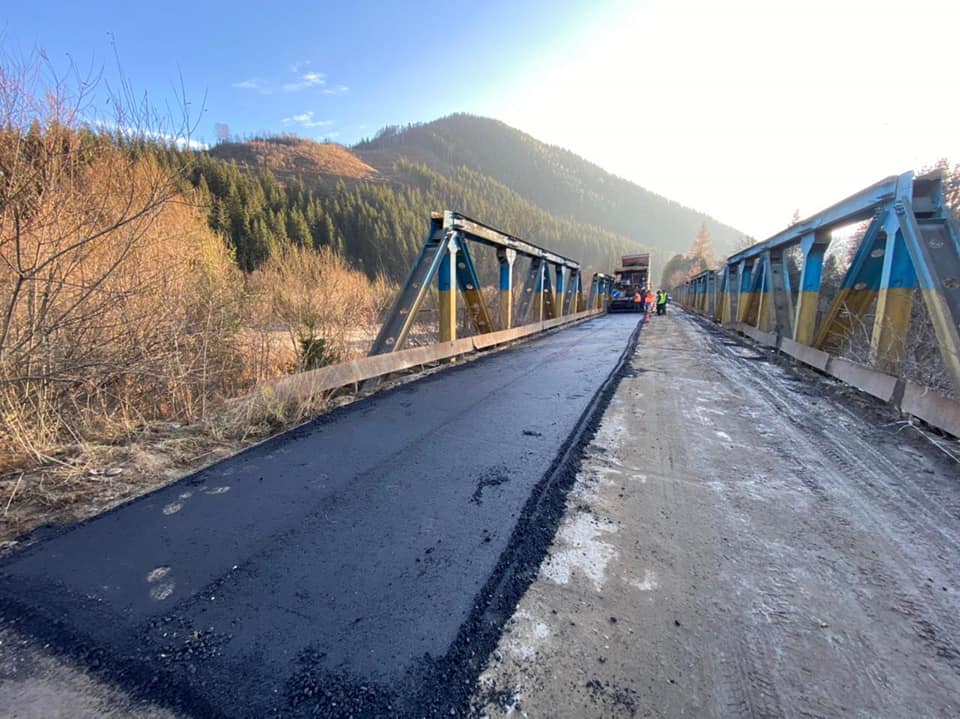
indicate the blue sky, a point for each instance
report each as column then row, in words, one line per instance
column 320, row 69
column 745, row 109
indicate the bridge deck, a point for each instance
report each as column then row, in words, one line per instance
column 747, row 539
column 744, row 539
column 339, row 569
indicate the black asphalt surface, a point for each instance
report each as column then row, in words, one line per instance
column 360, row 565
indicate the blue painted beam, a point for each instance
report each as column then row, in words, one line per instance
column 856, row 208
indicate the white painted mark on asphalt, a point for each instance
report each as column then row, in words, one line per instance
column 186, row 495
column 723, row 435
column 217, row 490
column 161, row 591
column 157, row 574
column 173, row 508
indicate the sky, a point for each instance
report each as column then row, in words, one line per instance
column 744, row 109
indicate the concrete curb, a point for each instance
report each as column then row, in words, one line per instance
column 344, row 374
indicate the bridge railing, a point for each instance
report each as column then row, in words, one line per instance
column 911, row 242
column 553, row 287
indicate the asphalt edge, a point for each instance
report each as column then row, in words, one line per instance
column 455, row 680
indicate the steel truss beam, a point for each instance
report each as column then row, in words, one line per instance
column 601, row 288
column 912, row 242
column 445, row 257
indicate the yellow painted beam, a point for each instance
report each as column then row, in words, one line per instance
column 891, row 325
column 765, row 312
column 845, row 316
column 743, row 306
column 537, row 309
column 549, row 305
column 506, row 309
column 806, row 318
column 477, row 307
column 448, row 315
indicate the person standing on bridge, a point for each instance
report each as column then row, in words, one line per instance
column 661, row 302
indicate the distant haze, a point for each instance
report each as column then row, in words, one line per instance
column 750, row 109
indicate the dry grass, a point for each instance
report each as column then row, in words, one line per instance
column 125, row 325
column 92, row 477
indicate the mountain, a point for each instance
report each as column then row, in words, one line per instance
column 550, row 177
column 371, row 203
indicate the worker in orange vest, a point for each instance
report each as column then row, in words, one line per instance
column 638, row 301
column 650, row 301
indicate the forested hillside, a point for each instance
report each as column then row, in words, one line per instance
column 378, row 222
column 550, row 177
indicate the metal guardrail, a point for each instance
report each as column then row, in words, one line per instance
column 346, row 374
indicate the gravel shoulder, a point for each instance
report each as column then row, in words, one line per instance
column 744, row 539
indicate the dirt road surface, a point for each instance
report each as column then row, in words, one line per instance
column 745, row 539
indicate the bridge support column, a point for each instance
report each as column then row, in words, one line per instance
column 711, row 288
column 538, row 292
column 547, row 294
column 558, row 293
column 894, row 302
column 728, row 295
column 814, row 247
column 447, row 283
column 570, row 301
column 765, row 314
column 743, row 302
column 507, row 257
column 776, row 299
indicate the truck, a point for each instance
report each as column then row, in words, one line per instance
column 632, row 276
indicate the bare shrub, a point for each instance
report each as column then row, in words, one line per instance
column 915, row 357
column 117, row 304
column 328, row 310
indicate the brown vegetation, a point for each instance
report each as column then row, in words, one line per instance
column 125, row 322
column 294, row 156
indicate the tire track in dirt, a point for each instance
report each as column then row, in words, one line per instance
column 891, row 508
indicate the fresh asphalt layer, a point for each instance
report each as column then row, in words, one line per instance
column 358, row 565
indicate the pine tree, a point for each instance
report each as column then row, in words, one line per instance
column 702, row 247
column 298, row 231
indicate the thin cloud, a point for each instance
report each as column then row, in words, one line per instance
column 304, row 81
column 308, row 79
column 305, row 119
column 253, row 83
